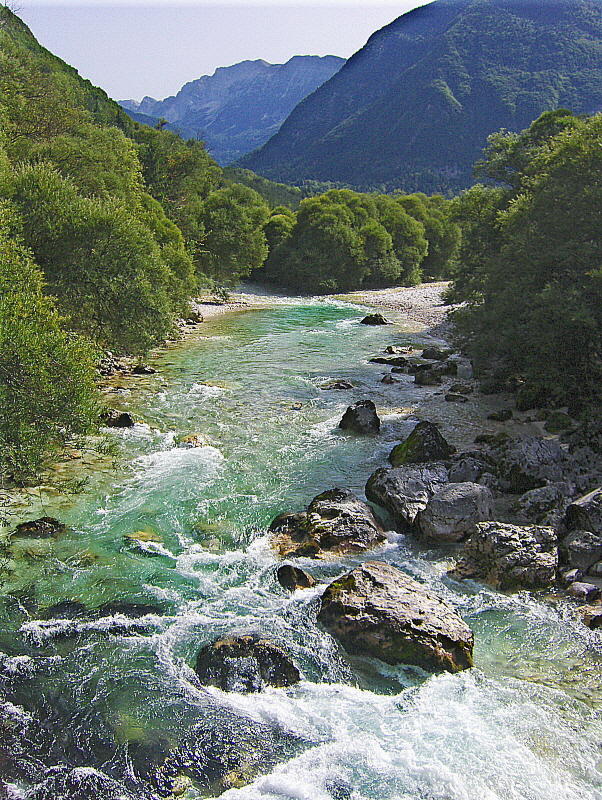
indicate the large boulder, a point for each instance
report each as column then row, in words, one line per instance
column 246, row 663
column 404, row 491
column 510, row 556
column 530, row 463
column 586, row 513
column 582, row 549
column 376, row 610
column 336, row 522
column 425, row 443
column 453, row 510
column 470, row 467
column 361, row 417
column 544, row 505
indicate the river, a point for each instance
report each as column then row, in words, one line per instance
column 112, row 691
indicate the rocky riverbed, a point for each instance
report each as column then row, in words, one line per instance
column 220, row 611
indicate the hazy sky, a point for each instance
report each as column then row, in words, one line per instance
column 136, row 48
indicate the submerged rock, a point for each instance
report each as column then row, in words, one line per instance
column 361, row 417
column 80, row 783
column 143, row 369
column 117, row 419
column 336, row 385
column 391, row 361
column 245, row 664
column 453, row 510
column 42, row 528
column 376, row 610
column 424, row 444
column 404, row 491
column 375, row 319
column 510, row 556
column 292, row 578
column 389, row 379
column 336, row 522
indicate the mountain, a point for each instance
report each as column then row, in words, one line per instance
column 413, row 108
column 238, row 108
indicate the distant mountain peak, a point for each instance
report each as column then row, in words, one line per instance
column 238, row 108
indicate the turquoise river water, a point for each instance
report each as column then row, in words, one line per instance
column 112, row 690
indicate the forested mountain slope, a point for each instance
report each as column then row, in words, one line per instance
column 413, row 108
column 238, row 108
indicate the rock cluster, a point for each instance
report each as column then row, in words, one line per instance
column 336, row 522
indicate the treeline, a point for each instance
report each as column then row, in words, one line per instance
column 529, row 268
column 343, row 240
column 107, row 229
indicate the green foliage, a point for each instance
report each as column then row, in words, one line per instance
column 47, row 390
column 440, row 230
column 343, row 240
column 233, row 219
column 275, row 194
column 535, row 304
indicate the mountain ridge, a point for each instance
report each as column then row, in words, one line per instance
column 412, row 109
column 238, row 108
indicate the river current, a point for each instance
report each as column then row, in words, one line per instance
column 110, row 686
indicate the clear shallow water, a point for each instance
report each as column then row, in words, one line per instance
column 521, row 725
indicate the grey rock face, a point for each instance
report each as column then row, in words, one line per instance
column 378, row 611
column 468, row 467
column 453, row 510
column 335, row 522
column 546, row 504
column 510, row 556
column 404, row 491
column 582, row 549
column 530, row 463
column 361, row 417
column 245, row 664
column 586, row 513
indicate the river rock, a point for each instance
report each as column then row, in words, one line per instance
column 42, row 528
column 377, row 610
column 584, row 591
column 510, row 556
column 375, row 319
column 388, row 379
column 336, row 522
column 586, row 513
column 246, row 663
column 453, row 510
column 424, row 444
column 436, row 353
column 391, row 361
column 503, row 415
column 427, row 377
column 393, row 349
column 546, row 504
column 404, row 491
column 117, row 419
column 530, row 463
column 591, row 615
column 582, row 549
column 143, row 369
column 361, row 417
column 291, row 578
column 336, row 385
column 456, row 397
column 469, row 467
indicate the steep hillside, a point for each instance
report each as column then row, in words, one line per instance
column 413, row 108
column 238, row 108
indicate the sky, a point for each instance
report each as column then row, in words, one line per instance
column 133, row 48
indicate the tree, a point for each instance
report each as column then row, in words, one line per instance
column 234, row 244
column 47, row 390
